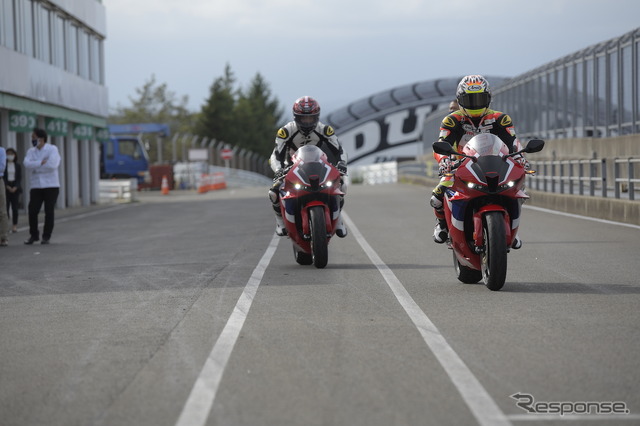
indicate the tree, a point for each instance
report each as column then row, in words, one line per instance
column 155, row 103
column 216, row 120
column 259, row 116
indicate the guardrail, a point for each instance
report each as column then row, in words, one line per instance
column 586, row 177
column 591, row 177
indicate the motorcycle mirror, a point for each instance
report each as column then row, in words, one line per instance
column 534, row 145
column 443, row 148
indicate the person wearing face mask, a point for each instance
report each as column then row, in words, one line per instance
column 42, row 163
column 13, row 186
column 4, row 219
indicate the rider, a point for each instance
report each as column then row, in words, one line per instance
column 474, row 117
column 305, row 129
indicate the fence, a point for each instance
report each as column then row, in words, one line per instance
column 591, row 177
column 587, row 177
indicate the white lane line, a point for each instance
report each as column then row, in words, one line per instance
column 577, row 216
column 483, row 407
column 196, row 409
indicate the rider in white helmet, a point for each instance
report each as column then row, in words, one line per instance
column 305, row 129
column 472, row 118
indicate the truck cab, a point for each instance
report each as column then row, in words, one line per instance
column 124, row 157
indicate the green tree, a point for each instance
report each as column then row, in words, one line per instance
column 259, row 116
column 217, row 120
column 155, row 103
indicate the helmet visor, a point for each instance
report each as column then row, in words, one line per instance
column 306, row 122
column 474, row 100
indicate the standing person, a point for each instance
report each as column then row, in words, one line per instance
column 305, row 129
column 42, row 163
column 13, row 186
column 4, row 219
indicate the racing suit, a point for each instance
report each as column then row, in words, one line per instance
column 457, row 129
column 289, row 138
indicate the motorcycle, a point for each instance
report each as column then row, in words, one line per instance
column 310, row 204
column 482, row 207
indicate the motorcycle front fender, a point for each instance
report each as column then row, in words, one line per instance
column 478, row 238
column 304, row 214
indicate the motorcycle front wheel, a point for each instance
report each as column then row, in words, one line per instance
column 494, row 258
column 319, row 242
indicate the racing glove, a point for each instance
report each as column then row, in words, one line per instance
column 342, row 167
column 523, row 162
column 445, row 166
column 279, row 174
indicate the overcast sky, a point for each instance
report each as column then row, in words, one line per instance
column 339, row 51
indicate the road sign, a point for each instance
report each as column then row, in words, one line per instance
column 226, row 154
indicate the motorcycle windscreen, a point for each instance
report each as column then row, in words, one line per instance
column 491, row 169
column 485, row 144
column 313, row 173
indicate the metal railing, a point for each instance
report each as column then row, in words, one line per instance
column 586, row 177
column 591, row 177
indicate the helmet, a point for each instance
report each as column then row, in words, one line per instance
column 306, row 112
column 474, row 96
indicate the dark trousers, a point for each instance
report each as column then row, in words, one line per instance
column 13, row 198
column 48, row 196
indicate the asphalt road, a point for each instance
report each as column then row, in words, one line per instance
column 187, row 310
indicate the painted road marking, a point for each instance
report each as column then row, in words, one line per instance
column 483, row 407
column 196, row 409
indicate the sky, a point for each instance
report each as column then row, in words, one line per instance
column 340, row 51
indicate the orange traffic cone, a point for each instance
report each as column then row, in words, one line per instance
column 165, row 186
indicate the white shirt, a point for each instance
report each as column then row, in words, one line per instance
column 10, row 172
column 43, row 175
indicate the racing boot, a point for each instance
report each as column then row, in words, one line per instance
column 275, row 204
column 280, row 228
column 341, row 229
column 441, row 231
column 517, row 243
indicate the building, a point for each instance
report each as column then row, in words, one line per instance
column 52, row 56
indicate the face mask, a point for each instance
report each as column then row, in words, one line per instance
column 10, row 157
column 34, row 142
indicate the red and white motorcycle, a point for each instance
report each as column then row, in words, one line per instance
column 482, row 208
column 310, row 204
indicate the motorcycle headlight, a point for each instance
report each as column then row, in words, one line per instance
column 507, row 185
column 472, row 185
column 297, row 186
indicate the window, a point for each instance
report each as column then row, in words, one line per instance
column 95, row 59
column 57, row 40
column 83, row 53
column 24, row 26
column 7, row 27
column 41, row 32
column 71, row 47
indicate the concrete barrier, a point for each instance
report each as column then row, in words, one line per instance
column 117, row 190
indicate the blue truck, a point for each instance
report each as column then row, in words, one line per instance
column 124, row 156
